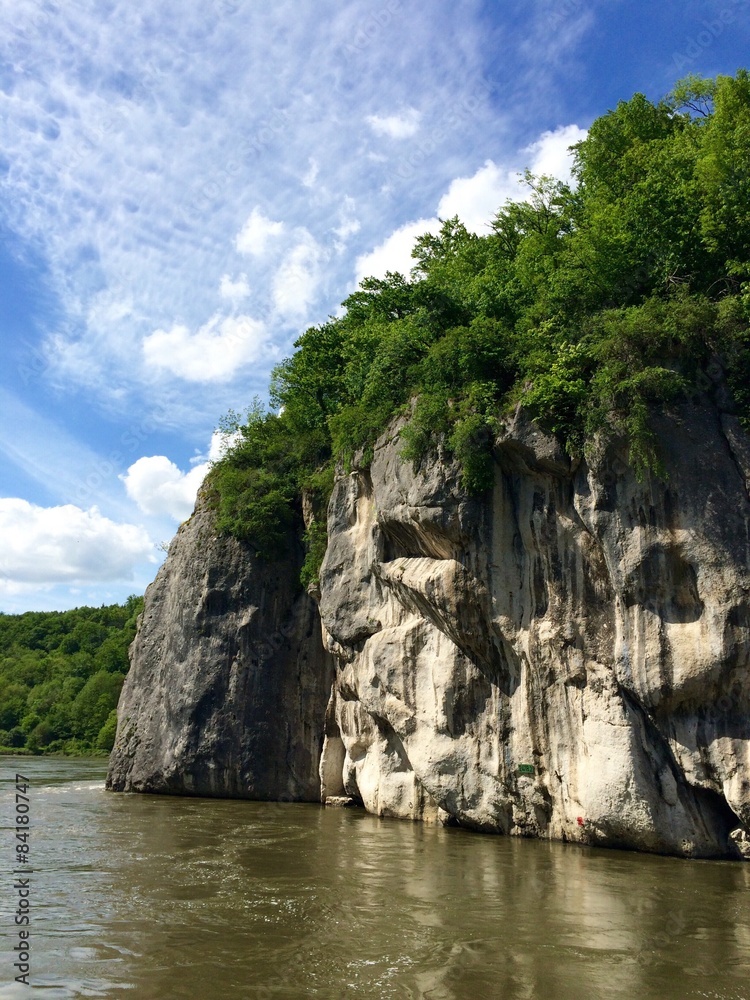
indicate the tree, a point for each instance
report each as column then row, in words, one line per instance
column 61, row 673
column 591, row 305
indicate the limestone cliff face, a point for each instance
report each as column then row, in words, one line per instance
column 568, row 657
column 229, row 679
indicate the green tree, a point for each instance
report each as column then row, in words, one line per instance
column 106, row 738
column 592, row 305
column 93, row 704
column 61, row 673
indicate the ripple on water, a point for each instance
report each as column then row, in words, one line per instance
column 179, row 899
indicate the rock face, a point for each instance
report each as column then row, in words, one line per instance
column 229, row 679
column 566, row 658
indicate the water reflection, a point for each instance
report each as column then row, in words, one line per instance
column 185, row 898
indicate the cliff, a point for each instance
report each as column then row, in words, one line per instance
column 564, row 657
column 229, row 679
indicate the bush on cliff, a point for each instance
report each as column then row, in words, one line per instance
column 591, row 305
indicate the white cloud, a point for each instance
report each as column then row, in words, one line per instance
column 160, row 488
column 108, row 307
column 400, row 126
column 214, row 353
column 297, row 279
column 476, row 199
column 47, row 545
column 349, row 224
column 221, row 444
column 255, row 234
column 235, row 290
column 347, row 228
column 550, row 152
column 394, row 253
column 312, row 173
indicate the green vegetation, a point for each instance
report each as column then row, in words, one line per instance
column 591, row 305
column 60, row 677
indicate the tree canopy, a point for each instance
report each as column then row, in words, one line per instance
column 60, row 677
column 591, row 304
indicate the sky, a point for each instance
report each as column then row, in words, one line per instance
column 187, row 185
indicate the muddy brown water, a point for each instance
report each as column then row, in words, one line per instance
column 154, row 898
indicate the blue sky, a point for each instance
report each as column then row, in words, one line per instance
column 186, row 186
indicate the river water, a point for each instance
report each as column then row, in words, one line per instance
column 154, row 898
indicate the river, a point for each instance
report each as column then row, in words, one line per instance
column 155, row 898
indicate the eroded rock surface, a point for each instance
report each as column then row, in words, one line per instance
column 567, row 657
column 229, row 679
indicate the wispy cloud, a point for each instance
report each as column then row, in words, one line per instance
column 476, row 199
column 348, row 225
column 256, row 233
column 216, row 352
column 50, row 545
column 234, row 289
column 65, row 468
column 296, row 282
column 399, row 126
column 312, row 173
column 152, row 158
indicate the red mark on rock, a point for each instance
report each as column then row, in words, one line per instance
column 579, row 820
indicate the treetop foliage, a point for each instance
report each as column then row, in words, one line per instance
column 591, row 304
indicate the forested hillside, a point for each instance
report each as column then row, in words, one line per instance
column 60, row 677
column 591, row 304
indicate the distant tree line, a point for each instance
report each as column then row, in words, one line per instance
column 60, row 677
